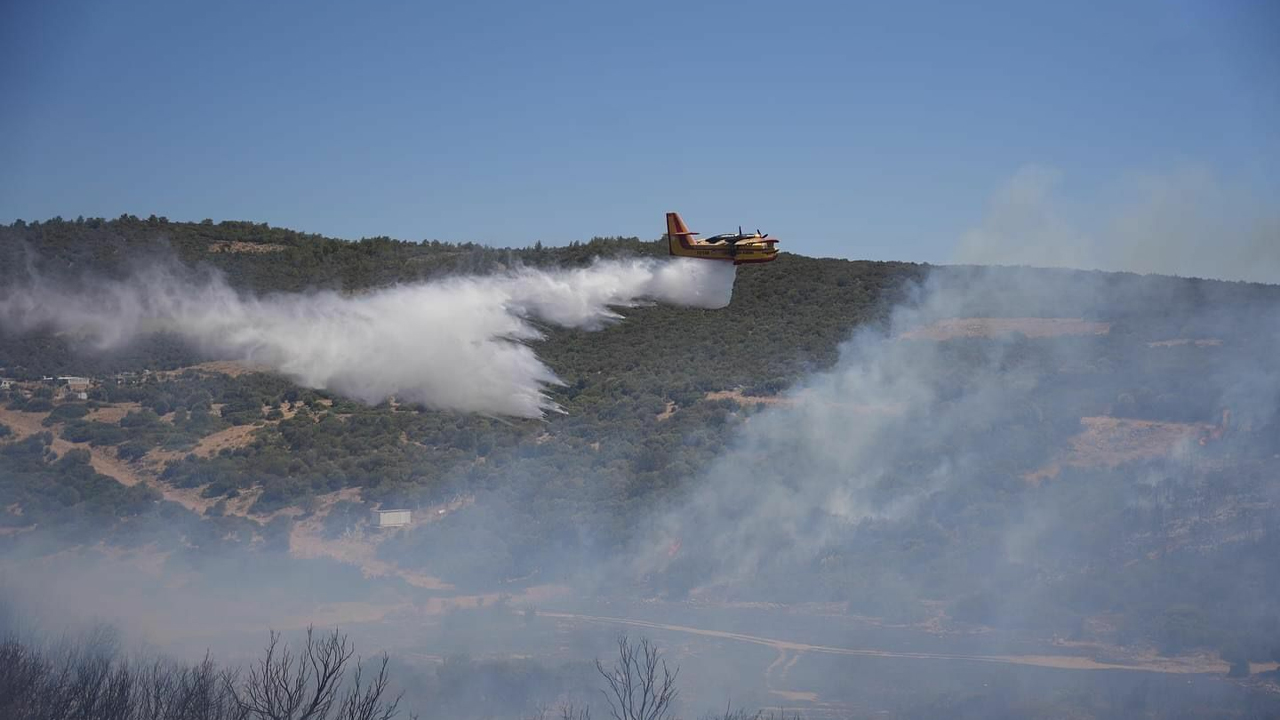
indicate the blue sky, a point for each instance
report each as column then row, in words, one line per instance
column 860, row 130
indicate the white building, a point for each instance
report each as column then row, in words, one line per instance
column 393, row 518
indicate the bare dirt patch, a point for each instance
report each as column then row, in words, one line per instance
column 232, row 368
column 737, row 396
column 1109, row 442
column 113, row 413
column 232, row 437
column 358, row 547
column 953, row 328
column 194, row 500
column 237, row 246
column 355, row 548
column 147, row 470
column 213, row 443
column 667, row 412
column 103, row 460
column 189, row 498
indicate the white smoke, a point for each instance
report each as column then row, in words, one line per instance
column 900, row 418
column 1183, row 222
column 455, row 344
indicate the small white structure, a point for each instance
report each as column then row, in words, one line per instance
column 393, row 518
column 5, row 383
column 75, row 384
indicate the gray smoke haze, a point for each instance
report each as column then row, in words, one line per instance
column 453, row 344
column 904, row 418
column 1183, row 222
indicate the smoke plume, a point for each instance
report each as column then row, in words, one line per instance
column 456, row 344
column 1183, row 222
column 934, row 407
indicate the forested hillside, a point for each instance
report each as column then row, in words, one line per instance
column 787, row 319
column 1124, row 429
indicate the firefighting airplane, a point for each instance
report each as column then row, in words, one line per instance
column 739, row 247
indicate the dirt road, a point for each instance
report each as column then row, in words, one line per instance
column 788, row 648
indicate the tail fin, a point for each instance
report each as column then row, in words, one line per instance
column 678, row 234
column 676, row 226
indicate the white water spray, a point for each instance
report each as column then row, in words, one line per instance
column 455, row 344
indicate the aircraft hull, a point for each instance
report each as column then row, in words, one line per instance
column 680, row 243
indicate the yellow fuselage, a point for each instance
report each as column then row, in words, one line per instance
column 750, row 249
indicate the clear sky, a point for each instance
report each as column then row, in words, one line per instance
column 873, row 130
